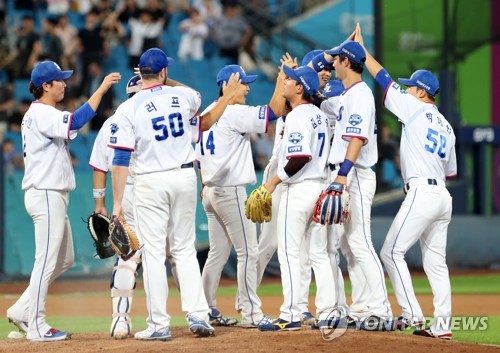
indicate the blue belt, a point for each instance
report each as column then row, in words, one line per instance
column 429, row 181
column 187, row 165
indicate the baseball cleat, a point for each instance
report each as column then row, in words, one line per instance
column 263, row 320
column 280, row 325
column 150, row 335
column 306, row 318
column 52, row 335
column 21, row 325
column 215, row 318
column 428, row 333
column 200, row 327
column 120, row 329
column 402, row 323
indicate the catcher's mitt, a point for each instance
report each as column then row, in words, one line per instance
column 122, row 238
column 98, row 225
column 259, row 205
column 332, row 207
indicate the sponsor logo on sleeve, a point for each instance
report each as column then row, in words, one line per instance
column 355, row 119
column 194, row 121
column 262, row 112
column 294, row 149
column 112, row 139
column 114, row 128
column 65, row 118
column 295, row 137
column 353, row 130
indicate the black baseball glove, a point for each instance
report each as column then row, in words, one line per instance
column 98, row 225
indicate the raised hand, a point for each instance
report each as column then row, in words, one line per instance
column 230, row 88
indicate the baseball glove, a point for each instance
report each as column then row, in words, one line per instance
column 98, row 225
column 122, row 238
column 259, row 205
column 332, row 207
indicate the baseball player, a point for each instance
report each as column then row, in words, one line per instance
column 302, row 171
column 155, row 125
column 268, row 242
column 48, row 178
column 427, row 159
column 352, row 156
column 226, row 164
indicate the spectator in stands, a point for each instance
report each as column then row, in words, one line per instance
column 58, row 7
column 210, row 12
column 127, row 10
column 231, row 32
column 105, row 109
column 69, row 38
column 158, row 11
column 113, row 30
column 93, row 47
column 12, row 159
column 6, row 102
column 52, row 47
column 194, row 33
column 22, row 59
column 389, row 160
column 16, row 118
column 144, row 34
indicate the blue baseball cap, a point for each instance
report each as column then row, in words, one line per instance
column 351, row 50
column 423, row 79
column 133, row 86
column 155, row 59
column 308, row 57
column 47, row 71
column 333, row 88
column 304, row 75
column 228, row 70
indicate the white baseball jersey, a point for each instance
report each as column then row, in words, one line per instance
column 354, row 111
column 427, row 140
column 306, row 135
column 46, row 131
column 141, row 126
column 278, row 140
column 102, row 156
column 225, row 152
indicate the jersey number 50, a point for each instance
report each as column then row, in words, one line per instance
column 176, row 131
column 433, row 136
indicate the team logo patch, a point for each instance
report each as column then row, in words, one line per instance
column 112, row 139
column 353, row 130
column 157, row 88
column 175, row 102
column 65, row 118
column 193, row 121
column 262, row 113
column 295, row 137
column 114, row 128
column 355, row 119
column 294, row 149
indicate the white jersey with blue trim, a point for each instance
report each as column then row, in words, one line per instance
column 306, row 135
column 224, row 151
column 102, row 156
column 155, row 122
column 278, row 140
column 427, row 140
column 46, row 134
column 354, row 111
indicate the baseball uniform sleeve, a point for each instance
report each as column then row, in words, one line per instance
column 331, row 107
column 194, row 100
column 358, row 116
column 400, row 103
column 101, row 155
column 122, row 131
column 195, row 128
column 56, row 124
column 451, row 166
column 244, row 118
column 296, row 142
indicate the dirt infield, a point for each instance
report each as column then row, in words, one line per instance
column 235, row 339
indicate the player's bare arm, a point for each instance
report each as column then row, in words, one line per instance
column 371, row 64
column 99, row 183
column 119, row 178
column 272, row 183
column 229, row 90
column 108, row 81
column 278, row 102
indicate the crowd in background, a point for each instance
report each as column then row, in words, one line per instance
column 81, row 34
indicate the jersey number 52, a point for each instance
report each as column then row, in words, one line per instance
column 434, row 145
column 175, row 129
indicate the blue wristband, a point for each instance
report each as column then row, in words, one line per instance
column 383, row 79
column 345, row 168
column 319, row 62
column 272, row 115
column 81, row 116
